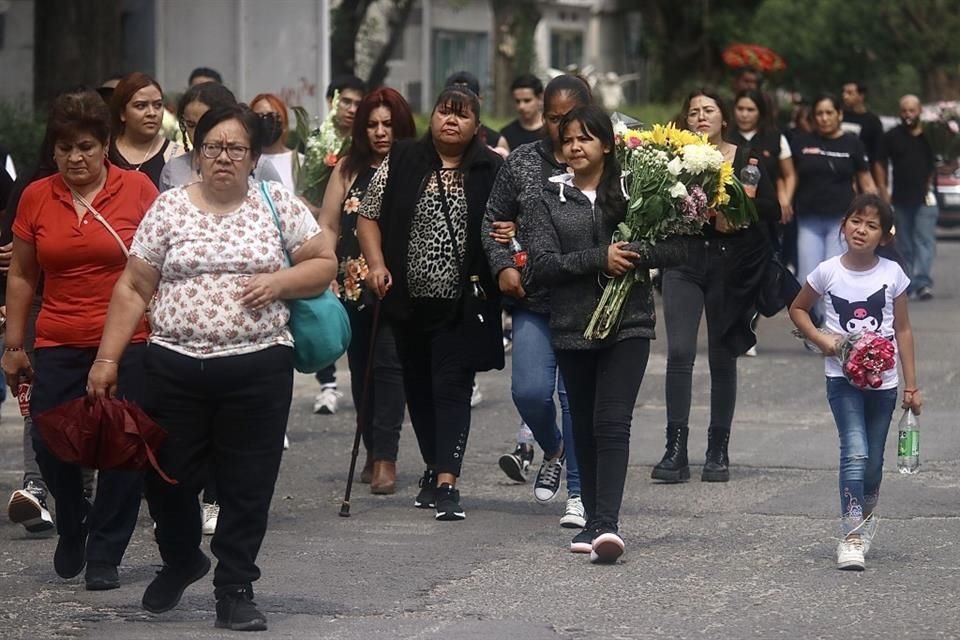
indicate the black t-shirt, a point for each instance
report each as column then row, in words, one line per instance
column 913, row 165
column 763, row 145
column 516, row 135
column 150, row 168
column 826, row 171
column 868, row 127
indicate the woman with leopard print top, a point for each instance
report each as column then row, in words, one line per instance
column 419, row 228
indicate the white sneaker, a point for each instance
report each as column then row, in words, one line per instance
column 575, row 516
column 211, row 512
column 326, row 401
column 28, row 507
column 475, row 397
column 850, row 554
column 751, row 352
column 286, row 442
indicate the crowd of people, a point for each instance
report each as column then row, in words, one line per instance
column 153, row 269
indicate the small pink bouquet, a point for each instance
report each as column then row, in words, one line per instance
column 864, row 357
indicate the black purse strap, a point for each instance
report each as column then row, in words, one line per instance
column 445, row 205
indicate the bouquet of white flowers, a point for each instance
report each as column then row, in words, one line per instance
column 323, row 147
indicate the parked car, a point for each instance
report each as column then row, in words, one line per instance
column 948, row 194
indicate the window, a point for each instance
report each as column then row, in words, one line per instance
column 460, row 51
column 566, row 49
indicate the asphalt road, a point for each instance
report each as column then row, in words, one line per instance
column 752, row 558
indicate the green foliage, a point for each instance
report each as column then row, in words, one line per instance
column 22, row 134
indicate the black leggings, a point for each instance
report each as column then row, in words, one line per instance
column 385, row 398
column 438, row 387
column 602, row 387
column 688, row 291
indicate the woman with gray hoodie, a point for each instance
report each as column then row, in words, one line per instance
column 572, row 258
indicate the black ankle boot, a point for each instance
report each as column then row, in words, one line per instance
column 673, row 466
column 716, row 466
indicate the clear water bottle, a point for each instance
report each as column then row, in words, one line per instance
column 750, row 177
column 908, row 443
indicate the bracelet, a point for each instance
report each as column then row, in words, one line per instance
column 12, row 349
column 911, row 390
column 106, row 360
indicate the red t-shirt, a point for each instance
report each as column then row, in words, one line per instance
column 80, row 261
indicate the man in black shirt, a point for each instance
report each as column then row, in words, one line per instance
column 858, row 121
column 908, row 151
column 527, row 93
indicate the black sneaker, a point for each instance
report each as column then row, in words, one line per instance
column 448, row 504
column 517, row 464
column 71, row 555
column 236, row 610
column 607, row 545
column 427, row 498
column 583, row 541
column 547, row 485
column 165, row 591
column 28, row 507
column 101, row 577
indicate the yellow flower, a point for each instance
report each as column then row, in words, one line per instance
column 670, row 136
column 721, row 197
column 632, row 139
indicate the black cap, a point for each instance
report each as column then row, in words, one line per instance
column 464, row 80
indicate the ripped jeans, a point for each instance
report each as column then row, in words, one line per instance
column 863, row 420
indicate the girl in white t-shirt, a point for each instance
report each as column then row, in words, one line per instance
column 862, row 291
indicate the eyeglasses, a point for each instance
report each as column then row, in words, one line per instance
column 235, row 152
column 65, row 151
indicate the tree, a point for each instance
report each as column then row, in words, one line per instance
column 76, row 43
column 514, row 23
column 348, row 20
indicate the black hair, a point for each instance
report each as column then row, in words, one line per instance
column 595, row 122
column 205, row 72
column 346, row 81
column 706, row 93
column 837, row 105
column 250, row 121
column 861, row 88
column 459, row 100
column 873, row 201
column 571, row 85
column 528, row 81
column 212, row 94
column 757, row 98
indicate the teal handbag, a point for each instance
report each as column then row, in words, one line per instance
column 320, row 326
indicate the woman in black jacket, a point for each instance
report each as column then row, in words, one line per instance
column 572, row 254
column 420, row 232
column 721, row 277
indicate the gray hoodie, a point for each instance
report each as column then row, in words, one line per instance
column 518, row 189
column 569, row 256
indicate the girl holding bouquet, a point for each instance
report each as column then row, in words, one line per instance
column 863, row 292
column 572, row 257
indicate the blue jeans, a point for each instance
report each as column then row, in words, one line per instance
column 863, row 419
column 917, row 242
column 818, row 238
column 535, row 379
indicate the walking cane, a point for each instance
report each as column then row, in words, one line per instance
column 361, row 412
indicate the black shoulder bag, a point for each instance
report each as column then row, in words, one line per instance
column 481, row 334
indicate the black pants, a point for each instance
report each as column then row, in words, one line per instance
column 385, row 398
column 688, row 291
column 230, row 412
column 60, row 375
column 602, row 387
column 438, row 386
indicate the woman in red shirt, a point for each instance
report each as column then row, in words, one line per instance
column 57, row 233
